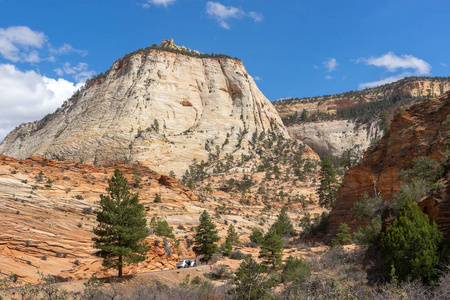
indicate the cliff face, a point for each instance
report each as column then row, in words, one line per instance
column 418, row 131
column 157, row 106
column 332, row 137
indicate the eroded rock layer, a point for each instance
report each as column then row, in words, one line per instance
column 153, row 106
column 418, row 131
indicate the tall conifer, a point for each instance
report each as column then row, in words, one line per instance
column 328, row 183
column 121, row 230
column 206, row 237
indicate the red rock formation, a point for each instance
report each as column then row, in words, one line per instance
column 415, row 132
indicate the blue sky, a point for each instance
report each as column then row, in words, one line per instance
column 292, row 48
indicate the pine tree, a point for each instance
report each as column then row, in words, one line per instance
column 206, row 237
column 412, row 245
column 272, row 249
column 232, row 235
column 343, row 236
column 226, row 247
column 121, row 230
column 251, row 281
column 283, row 224
column 257, row 236
column 328, row 183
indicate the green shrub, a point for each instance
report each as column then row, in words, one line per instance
column 157, row 198
column 369, row 234
column 295, row 269
column 412, row 245
column 343, row 236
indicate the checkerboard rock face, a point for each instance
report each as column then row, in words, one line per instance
column 156, row 106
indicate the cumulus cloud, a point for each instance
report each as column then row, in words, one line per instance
column 256, row 16
column 164, row 3
column 28, row 96
column 19, row 43
column 223, row 13
column 79, row 72
column 22, row 44
column 410, row 65
column 67, row 49
column 330, row 64
column 392, row 63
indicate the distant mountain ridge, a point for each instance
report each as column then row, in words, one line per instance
column 331, row 124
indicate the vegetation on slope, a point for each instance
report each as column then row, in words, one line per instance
column 370, row 103
column 273, row 161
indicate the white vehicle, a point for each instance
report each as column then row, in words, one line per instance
column 186, row 263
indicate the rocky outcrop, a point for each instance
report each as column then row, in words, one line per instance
column 437, row 206
column 416, row 132
column 334, row 137
column 162, row 107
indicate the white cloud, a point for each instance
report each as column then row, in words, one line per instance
column 443, row 64
column 411, row 66
column 223, row 13
column 257, row 78
column 16, row 43
column 316, row 67
column 392, row 63
column 79, row 72
column 256, row 16
column 387, row 80
column 164, row 3
column 66, row 49
column 330, row 64
column 328, row 77
column 28, row 96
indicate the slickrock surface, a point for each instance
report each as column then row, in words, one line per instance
column 418, row 131
column 153, row 106
column 49, row 225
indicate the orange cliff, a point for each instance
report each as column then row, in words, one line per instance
column 416, row 132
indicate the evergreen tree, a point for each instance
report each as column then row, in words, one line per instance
column 257, row 236
column 412, row 245
column 206, row 237
column 328, row 183
column 226, row 247
column 283, row 224
column 272, row 249
column 232, row 235
column 343, row 236
column 157, row 198
column 349, row 159
column 121, row 230
column 385, row 121
column 251, row 281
